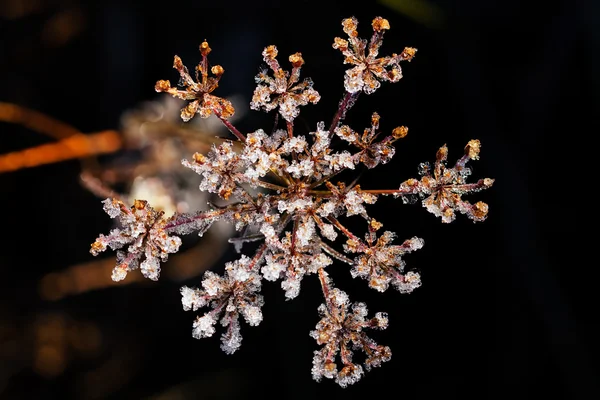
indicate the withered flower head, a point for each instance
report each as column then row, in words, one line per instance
column 442, row 188
column 288, row 191
column 283, row 89
column 144, row 232
column 342, row 330
column 198, row 91
column 368, row 70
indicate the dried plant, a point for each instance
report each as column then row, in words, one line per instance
column 281, row 190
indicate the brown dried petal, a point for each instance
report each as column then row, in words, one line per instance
column 217, row 70
column 162, row 86
column 296, row 60
column 400, row 132
column 380, row 24
column 270, row 52
column 205, row 48
column 472, row 149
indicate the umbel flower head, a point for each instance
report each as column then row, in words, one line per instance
column 198, row 91
column 284, row 189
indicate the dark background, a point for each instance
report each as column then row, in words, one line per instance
column 507, row 308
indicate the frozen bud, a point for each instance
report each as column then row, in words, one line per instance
column 349, row 26
column 291, row 287
column 415, row 243
column 296, row 60
column 328, row 232
column 380, row 24
column 217, row 70
column 410, row 282
column 112, row 207
column 480, row 211
column 442, row 153
column 177, row 63
column 191, row 299
column 488, row 182
column 329, row 369
column 272, row 269
column 205, row 48
column 150, row 268
column 190, row 110
column 199, row 158
column 381, row 320
column 349, row 375
column 252, row 315
column 270, row 52
column 375, row 120
column 162, row 86
column 374, row 224
column 408, row 53
column 339, row 43
column 340, row 298
column 119, row 273
column 140, row 204
column 360, row 310
column 98, row 246
column 204, row 326
column 472, row 149
column 400, row 132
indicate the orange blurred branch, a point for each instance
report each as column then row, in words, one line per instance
column 76, row 146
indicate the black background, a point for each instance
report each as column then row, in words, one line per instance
column 507, row 306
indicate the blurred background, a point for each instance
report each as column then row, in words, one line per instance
column 507, row 308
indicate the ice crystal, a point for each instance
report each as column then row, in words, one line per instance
column 284, row 190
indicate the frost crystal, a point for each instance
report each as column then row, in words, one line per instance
column 286, row 190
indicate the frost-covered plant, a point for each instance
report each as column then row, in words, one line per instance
column 282, row 189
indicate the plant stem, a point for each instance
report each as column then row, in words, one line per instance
column 241, row 137
column 346, row 232
column 345, row 105
column 269, row 185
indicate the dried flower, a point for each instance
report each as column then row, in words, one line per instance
column 368, row 70
column 283, row 90
column 198, row 91
column 298, row 212
column 340, row 329
column 144, row 231
column 443, row 189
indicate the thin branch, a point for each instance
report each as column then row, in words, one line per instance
column 241, row 137
column 346, row 103
column 334, row 253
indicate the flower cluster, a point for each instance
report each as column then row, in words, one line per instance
column 282, row 189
